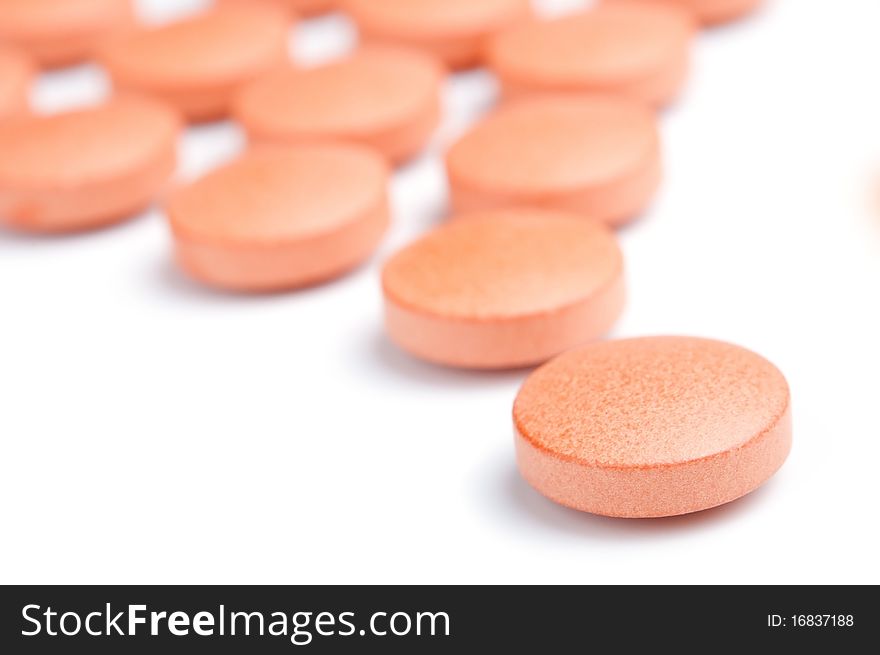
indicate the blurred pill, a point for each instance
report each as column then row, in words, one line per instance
column 385, row 98
column 713, row 12
column 598, row 156
column 63, row 32
column 282, row 218
column 504, row 289
column 87, row 168
column 652, row 427
column 16, row 75
column 454, row 30
column 199, row 63
column 637, row 49
column 292, row 7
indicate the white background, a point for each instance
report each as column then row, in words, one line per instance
column 156, row 432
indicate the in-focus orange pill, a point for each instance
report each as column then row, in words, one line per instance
column 16, row 75
column 637, row 49
column 282, row 218
column 292, row 7
column 87, row 168
column 386, row 98
column 715, row 12
column 198, row 64
column 63, row 32
column 456, row 31
column 504, row 289
column 652, row 427
column 598, row 156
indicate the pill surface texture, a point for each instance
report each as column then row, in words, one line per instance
column 504, row 289
column 637, row 49
column 454, row 30
column 16, row 74
column 713, row 12
column 652, row 427
column 63, row 32
column 598, row 156
column 282, row 218
column 86, row 168
column 385, row 98
column 199, row 64
column 291, row 7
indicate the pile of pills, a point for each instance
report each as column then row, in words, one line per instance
column 526, row 272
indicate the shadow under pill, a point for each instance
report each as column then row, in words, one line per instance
column 386, row 355
column 517, row 497
column 22, row 238
column 172, row 280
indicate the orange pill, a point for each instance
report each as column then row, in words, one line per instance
column 16, row 74
column 63, row 32
column 652, row 427
column 198, row 64
column 637, row 49
column 456, row 31
column 292, row 7
column 598, row 156
column 715, row 12
column 504, row 289
column 87, row 168
column 385, row 98
column 282, row 218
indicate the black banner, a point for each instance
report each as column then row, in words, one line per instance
column 430, row 619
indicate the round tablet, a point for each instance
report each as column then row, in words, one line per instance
column 16, row 74
column 282, row 218
column 63, row 32
column 714, row 12
column 598, row 156
column 386, row 98
column 292, row 7
column 87, row 168
column 652, row 427
column 504, row 289
column 456, row 31
column 198, row 64
column 637, row 49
